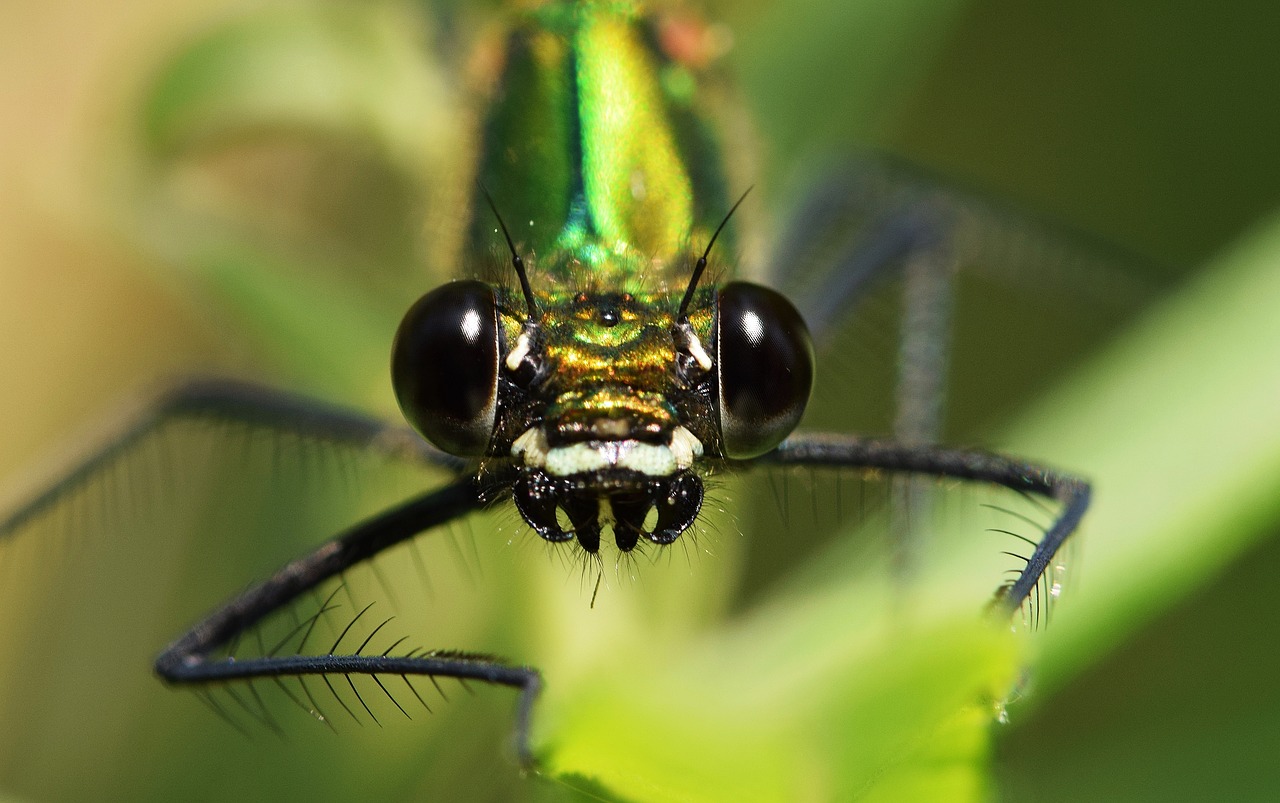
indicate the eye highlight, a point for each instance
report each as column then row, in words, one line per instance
column 444, row 366
column 765, row 360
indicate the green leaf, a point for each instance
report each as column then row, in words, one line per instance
column 353, row 69
column 297, row 160
column 812, row 698
column 1178, row 426
column 799, row 702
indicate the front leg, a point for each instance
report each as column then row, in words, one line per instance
column 231, row 404
column 845, row 451
column 188, row 660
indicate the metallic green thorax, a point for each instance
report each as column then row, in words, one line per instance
column 595, row 152
column 608, row 177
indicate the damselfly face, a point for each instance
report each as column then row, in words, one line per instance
column 602, row 409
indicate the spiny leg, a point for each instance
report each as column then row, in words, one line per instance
column 872, row 219
column 844, row 451
column 914, row 242
column 188, row 659
column 234, row 404
column 924, row 345
column 260, row 409
column 905, row 236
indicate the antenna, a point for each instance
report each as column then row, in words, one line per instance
column 683, row 313
column 518, row 263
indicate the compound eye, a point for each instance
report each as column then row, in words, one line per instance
column 444, row 366
column 765, row 362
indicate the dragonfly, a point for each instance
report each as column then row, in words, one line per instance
column 605, row 374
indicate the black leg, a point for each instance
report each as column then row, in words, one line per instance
column 234, row 404
column 874, row 236
column 188, row 660
column 871, row 220
column 894, row 230
column 919, row 459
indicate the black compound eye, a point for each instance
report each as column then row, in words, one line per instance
column 765, row 361
column 444, row 366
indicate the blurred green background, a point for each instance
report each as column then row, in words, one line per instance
column 179, row 181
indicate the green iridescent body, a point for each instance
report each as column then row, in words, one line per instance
column 611, row 181
column 594, row 141
column 602, row 392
